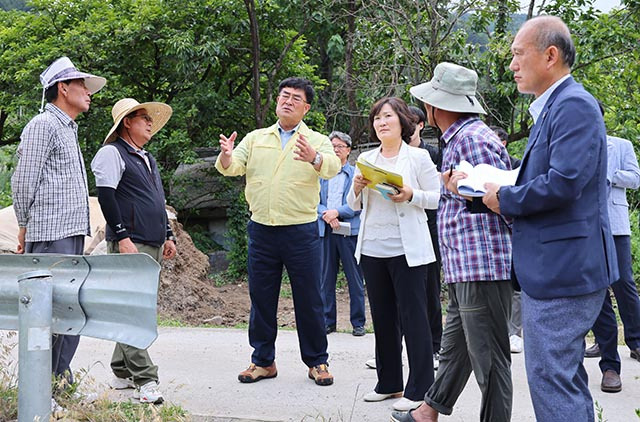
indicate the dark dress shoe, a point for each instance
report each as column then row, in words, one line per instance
column 592, row 352
column 358, row 331
column 611, row 382
column 331, row 329
column 635, row 354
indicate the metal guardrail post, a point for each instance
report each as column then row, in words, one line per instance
column 35, row 314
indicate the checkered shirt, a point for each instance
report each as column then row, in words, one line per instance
column 474, row 247
column 49, row 185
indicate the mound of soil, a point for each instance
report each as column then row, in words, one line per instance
column 188, row 294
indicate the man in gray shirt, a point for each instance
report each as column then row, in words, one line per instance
column 49, row 185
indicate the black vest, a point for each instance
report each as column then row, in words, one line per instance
column 140, row 197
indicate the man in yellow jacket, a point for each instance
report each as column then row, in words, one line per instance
column 282, row 164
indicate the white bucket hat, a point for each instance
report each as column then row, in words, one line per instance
column 452, row 88
column 160, row 112
column 63, row 70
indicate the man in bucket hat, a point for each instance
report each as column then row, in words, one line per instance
column 132, row 201
column 476, row 257
column 49, row 185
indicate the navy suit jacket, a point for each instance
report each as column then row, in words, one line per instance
column 562, row 243
column 345, row 213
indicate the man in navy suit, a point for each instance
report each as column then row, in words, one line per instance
column 336, row 247
column 563, row 252
column 622, row 174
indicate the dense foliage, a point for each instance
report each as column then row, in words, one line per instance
column 218, row 62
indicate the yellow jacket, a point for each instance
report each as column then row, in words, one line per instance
column 281, row 191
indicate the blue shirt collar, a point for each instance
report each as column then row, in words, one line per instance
column 538, row 104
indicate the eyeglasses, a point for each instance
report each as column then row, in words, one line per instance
column 296, row 99
column 146, row 117
column 340, row 146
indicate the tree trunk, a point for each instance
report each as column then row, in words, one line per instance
column 355, row 130
column 255, row 68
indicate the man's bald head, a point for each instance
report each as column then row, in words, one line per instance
column 552, row 31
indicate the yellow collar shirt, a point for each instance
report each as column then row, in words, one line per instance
column 281, row 191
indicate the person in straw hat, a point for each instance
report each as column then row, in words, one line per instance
column 132, row 199
column 49, row 184
column 476, row 257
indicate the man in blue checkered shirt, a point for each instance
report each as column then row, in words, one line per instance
column 476, row 257
column 49, row 185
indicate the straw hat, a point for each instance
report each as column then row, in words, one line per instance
column 160, row 112
column 452, row 88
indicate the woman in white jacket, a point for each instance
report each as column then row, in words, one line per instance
column 393, row 249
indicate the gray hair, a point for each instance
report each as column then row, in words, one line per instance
column 342, row 136
column 551, row 30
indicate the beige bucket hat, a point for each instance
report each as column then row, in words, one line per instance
column 452, row 88
column 160, row 112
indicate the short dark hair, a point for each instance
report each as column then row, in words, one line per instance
column 416, row 111
column 51, row 93
column 407, row 119
column 553, row 31
column 299, row 83
column 502, row 134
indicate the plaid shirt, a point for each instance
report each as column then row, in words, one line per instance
column 49, row 185
column 474, row 247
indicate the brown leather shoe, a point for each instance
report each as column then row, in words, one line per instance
column 320, row 374
column 256, row 373
column 611, row 382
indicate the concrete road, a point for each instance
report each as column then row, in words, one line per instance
column 199, row 368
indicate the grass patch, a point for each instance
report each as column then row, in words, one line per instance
column 101, row 410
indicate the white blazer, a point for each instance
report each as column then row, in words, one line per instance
column 419, row 172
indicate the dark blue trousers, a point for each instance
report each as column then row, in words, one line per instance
column 336, row 248
column 63, row 347
column 605, row 328
column 297, row 248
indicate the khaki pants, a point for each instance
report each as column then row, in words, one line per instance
column 128, row 361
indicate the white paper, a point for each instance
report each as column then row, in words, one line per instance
column 481, row 174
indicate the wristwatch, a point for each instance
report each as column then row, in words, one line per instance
column 173, row 238
column 317, row 159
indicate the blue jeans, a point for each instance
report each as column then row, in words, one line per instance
column 296, row 248
column 337, row 248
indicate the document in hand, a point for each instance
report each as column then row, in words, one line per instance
column 481, row 174
column 377, row 175
column 344, row 229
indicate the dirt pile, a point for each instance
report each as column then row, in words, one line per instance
column 186, row 292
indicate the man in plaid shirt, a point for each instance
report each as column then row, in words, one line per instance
column 49, row 185
column 476, row 257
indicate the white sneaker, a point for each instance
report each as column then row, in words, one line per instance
column 516, row 344
column 371, row 363
column 436, row 361
column 373, row 396
column 86, row 398
column 57, row 411
column 118, row 383
column 404, row 404
column 148, row 393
